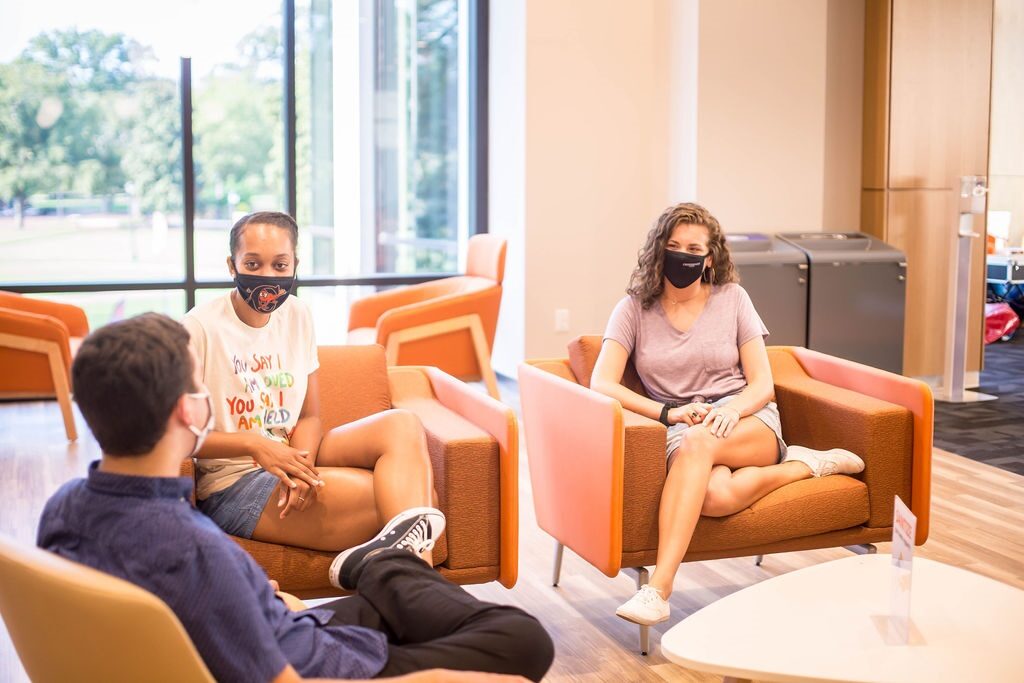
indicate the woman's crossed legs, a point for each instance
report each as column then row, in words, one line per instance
column 373, row 469
column 701, row 481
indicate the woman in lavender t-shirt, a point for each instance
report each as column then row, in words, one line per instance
column 698, row 345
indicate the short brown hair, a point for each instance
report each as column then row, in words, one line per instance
column 647, row 281
column 275, row 218
column 127, row 378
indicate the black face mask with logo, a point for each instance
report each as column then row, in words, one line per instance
column 264, row 294
column 683, row 269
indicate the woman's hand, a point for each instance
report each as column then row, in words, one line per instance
column 691, row 414
column 288, row 464
column 297, row 499
column 722, row 420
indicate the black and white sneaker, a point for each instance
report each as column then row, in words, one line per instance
column 414, row 530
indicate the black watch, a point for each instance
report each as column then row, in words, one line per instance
column 664, row 413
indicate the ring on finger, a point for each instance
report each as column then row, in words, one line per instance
column 301, row 499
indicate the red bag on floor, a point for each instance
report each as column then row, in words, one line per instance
column 1000, row 322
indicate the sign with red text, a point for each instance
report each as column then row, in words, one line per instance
column 904, row 529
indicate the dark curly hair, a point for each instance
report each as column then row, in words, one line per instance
column 647, row 281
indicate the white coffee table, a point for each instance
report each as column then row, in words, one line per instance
column 827, row 623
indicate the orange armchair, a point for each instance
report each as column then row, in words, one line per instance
column 38, row 340
column 448, row 324
column 474, row 450
column 597, row 469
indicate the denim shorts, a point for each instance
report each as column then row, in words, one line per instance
column 769, row 414
column 237, row 509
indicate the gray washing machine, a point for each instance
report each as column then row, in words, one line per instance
column 774, row 273
column 857, row 297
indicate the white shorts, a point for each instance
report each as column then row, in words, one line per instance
column 769, row 414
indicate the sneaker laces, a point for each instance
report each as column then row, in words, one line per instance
column 417, row 538
column 648, row 596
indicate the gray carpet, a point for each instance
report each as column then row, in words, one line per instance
column 990, row 432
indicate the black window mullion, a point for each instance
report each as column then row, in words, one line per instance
column 188, row 182
column 288, row 43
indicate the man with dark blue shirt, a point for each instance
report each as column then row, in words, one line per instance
column 137, row 387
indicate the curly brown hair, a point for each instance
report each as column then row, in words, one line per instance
column 647, row 281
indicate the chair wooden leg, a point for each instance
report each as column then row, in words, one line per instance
column 557, row 574
column 60, row 385
column 642, row 578
column 483, row 358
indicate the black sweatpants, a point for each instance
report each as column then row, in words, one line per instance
column 434, row 624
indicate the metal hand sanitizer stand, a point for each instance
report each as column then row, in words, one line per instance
column 972, row 203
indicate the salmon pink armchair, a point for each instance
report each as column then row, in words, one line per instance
column 597, row 469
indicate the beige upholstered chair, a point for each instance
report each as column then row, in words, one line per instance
column 69, row 622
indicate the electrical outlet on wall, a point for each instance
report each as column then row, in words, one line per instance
column 561, row 320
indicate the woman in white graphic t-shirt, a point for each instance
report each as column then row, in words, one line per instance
column 266, row 471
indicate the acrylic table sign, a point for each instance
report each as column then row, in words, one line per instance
column 904, row 528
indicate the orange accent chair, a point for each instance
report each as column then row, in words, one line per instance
column 70, row 622
column 38, row 340
column 597, row 469
column 474, row 449
column 446, row 323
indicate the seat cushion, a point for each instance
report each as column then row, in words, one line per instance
column 803, row 508
column 362, row 335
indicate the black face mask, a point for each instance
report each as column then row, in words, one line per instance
column 264, row 294
column 683, row 269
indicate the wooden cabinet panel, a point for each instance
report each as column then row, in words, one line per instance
column 939, row 94
column 923, row 224
column 872, row 213
column 876, row 94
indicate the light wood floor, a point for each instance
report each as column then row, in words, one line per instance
column 977, row 523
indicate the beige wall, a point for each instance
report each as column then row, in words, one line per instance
column 596, row 160
column 1006, row 157
column 779, row 113
column 632, row 105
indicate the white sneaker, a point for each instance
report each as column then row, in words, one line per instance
column 824, row 463
column 647, row 607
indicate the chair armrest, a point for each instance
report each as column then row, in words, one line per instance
column 643, row 477
column 73, row 317
column 576, row 441
column 24, row 327
column 33, row 325
column 912, row 394
column 500, row 422
column 366, row 311
column 819, row 415
column 483, row 302
column 453, row 412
